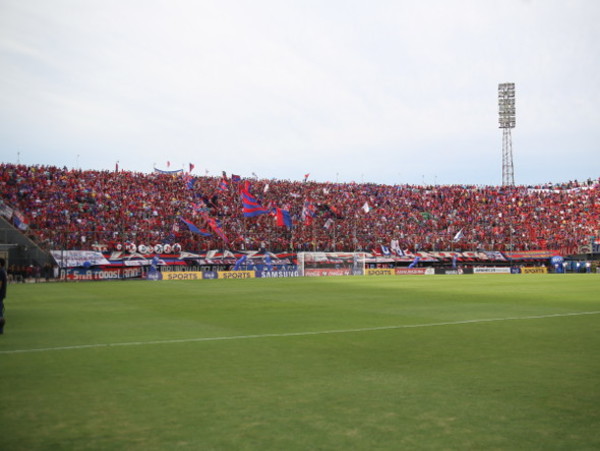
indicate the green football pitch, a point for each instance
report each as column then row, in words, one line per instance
column 407, row 362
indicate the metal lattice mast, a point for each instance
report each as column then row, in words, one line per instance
column 507, row 121
column 508, row 172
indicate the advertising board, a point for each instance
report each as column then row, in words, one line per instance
column 493, row 270
column 181, row 275
column 278, row 273
column 236, row 274
column 80, row 274
column 379, row 271
column 534, row 270
column 413, row 271
column 322, row 272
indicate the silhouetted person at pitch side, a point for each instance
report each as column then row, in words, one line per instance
column 3, row 284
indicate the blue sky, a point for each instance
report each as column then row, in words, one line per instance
column 381, row 91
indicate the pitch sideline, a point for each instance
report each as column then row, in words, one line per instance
column 296, row 334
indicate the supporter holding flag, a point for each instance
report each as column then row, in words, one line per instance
column 334, row 211
column 283, row 218
column 198, row 207
column 190, row 183
column 189, row 180
column 251, row 206
column 308, row 212
column 223, row 184
column 194, row 229
column 458, row 236
column 215, row 226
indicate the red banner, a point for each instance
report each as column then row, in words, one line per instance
column 533, row 255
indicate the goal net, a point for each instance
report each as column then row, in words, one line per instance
column 331, row 263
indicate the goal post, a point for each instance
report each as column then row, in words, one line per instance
column 331, row 264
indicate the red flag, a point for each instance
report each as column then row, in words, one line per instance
column 308, row 212
column 283, row 218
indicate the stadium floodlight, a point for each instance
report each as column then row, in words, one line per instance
column 507, row 121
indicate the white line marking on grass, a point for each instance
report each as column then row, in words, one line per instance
column 296, row 334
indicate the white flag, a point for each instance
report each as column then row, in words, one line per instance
column 365, row 207
column 458, row 236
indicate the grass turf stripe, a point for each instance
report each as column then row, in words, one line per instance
column 296, row 334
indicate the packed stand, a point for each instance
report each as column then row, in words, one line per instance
column 74, row 209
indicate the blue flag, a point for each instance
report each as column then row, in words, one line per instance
column 193, row 228
column 415, row 261
column 251, row 206
column 240, row 262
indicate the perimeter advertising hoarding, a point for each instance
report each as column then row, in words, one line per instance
column 398, row 271
column 181, row 275
column 449, row 272
column 322, row 272
column 414, row 271
column 279, row 273
column 534, row 270
column 78, row 274
column 379, row 271
column 197, row 275
column 495, row 270
column 236, row 274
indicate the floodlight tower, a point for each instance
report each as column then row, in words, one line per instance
column 507, row 121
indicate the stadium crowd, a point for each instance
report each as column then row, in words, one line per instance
column 75, row 209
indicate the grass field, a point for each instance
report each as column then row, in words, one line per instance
column 434, row 362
